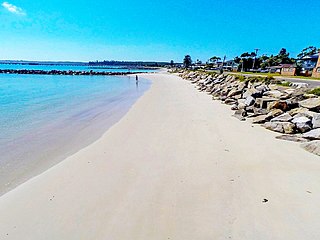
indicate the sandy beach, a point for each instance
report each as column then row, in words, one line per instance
column 176, row 166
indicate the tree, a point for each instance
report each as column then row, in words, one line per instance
column 283, row 51
column 246, row 60
column 214, row 59
column 308, row 51
column 283, row 57
column 187, row 61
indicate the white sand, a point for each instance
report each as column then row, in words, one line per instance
column 177, row 166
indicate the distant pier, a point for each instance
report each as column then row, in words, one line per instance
column 61, row 72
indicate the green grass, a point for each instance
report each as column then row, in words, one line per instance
column 284, row 84
column 315, row 91
column 279, row 75
column 241, row 78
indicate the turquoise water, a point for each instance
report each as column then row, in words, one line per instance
column 44, row 118
column 70, row 67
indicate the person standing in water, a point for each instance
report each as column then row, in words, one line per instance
column 137, row 80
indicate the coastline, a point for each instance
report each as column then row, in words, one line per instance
column 176, row 166
column 28, row 155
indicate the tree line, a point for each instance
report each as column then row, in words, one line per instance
column 247, row 60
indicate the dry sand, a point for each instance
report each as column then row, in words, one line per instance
column 177, row 166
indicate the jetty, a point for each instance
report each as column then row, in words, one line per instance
column 64, row 72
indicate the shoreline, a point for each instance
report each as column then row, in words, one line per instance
column 176, row 166
column 39, row 151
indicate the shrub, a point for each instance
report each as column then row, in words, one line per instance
column 315, row 91
column 284, row 84
column 241, row 78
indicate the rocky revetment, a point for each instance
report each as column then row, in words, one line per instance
column 288, row 109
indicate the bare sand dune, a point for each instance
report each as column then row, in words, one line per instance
column 177, row 166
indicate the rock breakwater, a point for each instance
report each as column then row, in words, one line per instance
column 60, row 72
column 291, row 111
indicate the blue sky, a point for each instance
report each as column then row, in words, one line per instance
column 154, row 30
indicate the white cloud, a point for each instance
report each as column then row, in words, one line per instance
column 13, row 9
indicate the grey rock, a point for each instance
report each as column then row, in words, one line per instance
column 303, row 124
column 311, row 103
column 281, row 127
column 263, row 102
column 262, row 88
column 316, row 120
column 234, row 107
column 252, row 92
column 305, row 114
column 285, row 117
column 274, row 113
column 242, row 86
column 299, row 85
column 313, row 134
column 312, row 147
column 292, row 138
column 230, row 101
column 240, row 114
column 260, row 111
column 273, row 94
column 234, row 92
column 259, row 119
column 295, row 111
column 249, row 101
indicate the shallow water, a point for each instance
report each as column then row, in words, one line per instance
column 44, row 119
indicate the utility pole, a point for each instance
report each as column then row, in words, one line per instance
column 254, row 60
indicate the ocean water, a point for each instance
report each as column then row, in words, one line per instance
column 44, row 119
column 72, row 67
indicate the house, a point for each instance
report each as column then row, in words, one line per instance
column 316, row 70
column 231, row 66
column 288, row 69
column 308, row 63
column 275, row 69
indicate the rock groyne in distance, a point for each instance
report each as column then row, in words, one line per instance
column 62, row 72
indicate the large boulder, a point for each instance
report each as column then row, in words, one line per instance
column 240, row 114
column 259, row 119
column 299, row 85
column 296, row 111
column 285, row 117
column 234, row 92
column 292, row 138
column 313, row 134
column 249, row 101
column 230, row 101
column 311, row 103
column 313, row 147
column 274, row 113
column 242, row 86
column 281, row 127
column 262, row 88
column 273, row 94
column 316, row 120
column 264, row 101
column 252, row 92
column 303, row 124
